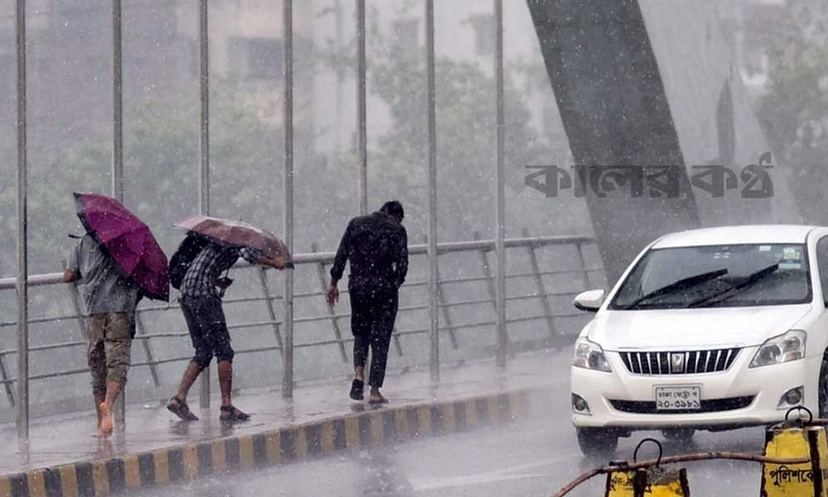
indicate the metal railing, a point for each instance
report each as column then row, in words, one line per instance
column 461, row 317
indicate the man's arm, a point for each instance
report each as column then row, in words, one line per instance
column 339, row 264
column 72, row 271
column 342, row 254
column 401, row 261
column 276, row 263
column 255, row 256
column 251, row 255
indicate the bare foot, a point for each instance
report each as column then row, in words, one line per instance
column 377, row 398
column 107, row 424
column 97, row 431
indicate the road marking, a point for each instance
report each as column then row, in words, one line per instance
column 503, row 474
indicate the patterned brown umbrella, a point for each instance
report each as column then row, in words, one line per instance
column 237, row 233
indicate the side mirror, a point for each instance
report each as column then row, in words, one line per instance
column 589, row 301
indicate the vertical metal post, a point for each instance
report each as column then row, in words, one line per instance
column 446, row 312
column 270, row 310
column 434, row 317
column 340, row 75
column 321, row 273
column 118, row 148
column 540, row 287
column 117, row 105
column 22, row 239
column 487, row 274
column 145, row 343
column 490, row 283
column 204, row 149
column 287, row 59
column 7, row 386
column 585, row 272
column 500, row 248
column 444, row 306
column 362, row 190
column 204, row 92
column 76, row 306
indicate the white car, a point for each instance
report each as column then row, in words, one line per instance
column 709, row 329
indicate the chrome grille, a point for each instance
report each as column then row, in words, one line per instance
column 711, row 405
column 679, row 362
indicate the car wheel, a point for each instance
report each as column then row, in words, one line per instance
column 679, row 435
column 597, row 442
column 823, row 388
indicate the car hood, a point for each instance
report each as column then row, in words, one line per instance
column 676, row 329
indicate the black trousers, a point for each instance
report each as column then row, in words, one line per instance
column 208, row 329
column 373, row 312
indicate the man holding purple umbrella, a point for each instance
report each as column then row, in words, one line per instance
column 111, row 299
column 116, row 262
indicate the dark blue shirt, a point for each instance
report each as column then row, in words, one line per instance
column 377, row 248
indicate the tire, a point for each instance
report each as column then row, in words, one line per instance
column 822, row 388
column 678, row 435
column 597, row 442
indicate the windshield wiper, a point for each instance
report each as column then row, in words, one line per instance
column 737, row 288
column 682, row 284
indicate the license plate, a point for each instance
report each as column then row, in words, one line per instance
column 677, row 398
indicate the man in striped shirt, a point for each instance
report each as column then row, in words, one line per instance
column 201, row 293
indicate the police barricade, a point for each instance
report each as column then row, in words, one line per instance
column 794, row 463
column 796, row 439
column 651, row 481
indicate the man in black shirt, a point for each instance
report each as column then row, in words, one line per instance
column 377, row 247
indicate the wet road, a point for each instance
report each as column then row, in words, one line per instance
column 530, row 458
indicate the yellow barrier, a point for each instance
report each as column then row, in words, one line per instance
column 795, row 463
column 787, row 441
column 652, row 482
column 656, row 481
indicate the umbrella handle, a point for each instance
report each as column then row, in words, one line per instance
column 226, row 275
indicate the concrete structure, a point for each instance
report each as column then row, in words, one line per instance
column 713, row 111
column 643, row 83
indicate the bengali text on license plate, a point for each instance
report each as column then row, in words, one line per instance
column 677, row 398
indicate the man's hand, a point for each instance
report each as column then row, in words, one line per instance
column 69, row 276
column 333, row 294
column 278, row 262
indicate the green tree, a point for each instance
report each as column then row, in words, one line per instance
column 466, row 135
column 794, row 112
column 160, row 172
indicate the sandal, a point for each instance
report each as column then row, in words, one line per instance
column 357, row 388
column 377, row 400
column 232, row 413
column 180, row 408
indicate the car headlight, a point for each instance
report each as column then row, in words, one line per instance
column 780, row 349
column 589, row 355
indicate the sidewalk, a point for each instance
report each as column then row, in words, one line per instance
column 68, row 439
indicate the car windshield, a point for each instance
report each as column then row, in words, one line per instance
column 719, row 275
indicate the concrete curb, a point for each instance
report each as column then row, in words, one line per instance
column 288, row 444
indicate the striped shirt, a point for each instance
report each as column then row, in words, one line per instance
column 202, row 276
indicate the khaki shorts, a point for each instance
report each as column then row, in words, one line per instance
column 110, row 346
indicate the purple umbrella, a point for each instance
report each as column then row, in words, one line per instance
column 127, row 240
